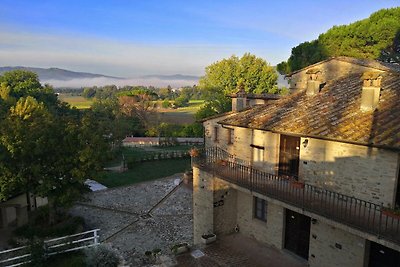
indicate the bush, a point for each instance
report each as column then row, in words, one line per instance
column 37, row 251
column 165, row 103
column 101, row 256
column 39, row 227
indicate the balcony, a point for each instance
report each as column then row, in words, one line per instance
column 356, row 213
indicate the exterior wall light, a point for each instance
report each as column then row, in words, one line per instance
column 305, row 143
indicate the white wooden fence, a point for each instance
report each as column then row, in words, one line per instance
column 21, row 255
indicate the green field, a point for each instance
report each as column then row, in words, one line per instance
column 184, row 115
column 76, row 101
column 145, row 171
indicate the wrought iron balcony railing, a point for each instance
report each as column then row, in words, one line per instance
column 356, row 213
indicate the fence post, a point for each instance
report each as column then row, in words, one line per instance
column 380, row 220
column 96, row 237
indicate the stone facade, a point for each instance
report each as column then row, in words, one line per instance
column 363, row 172
column 330, row 246
column 225, row 207
column 271, row 231
column 329, row 70
column 203, row 222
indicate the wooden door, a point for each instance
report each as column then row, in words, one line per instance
column 381, row 256
column 289, row 153
column 297, row 233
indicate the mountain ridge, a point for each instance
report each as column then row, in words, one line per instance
column 54, row 73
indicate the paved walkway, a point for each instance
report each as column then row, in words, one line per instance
column 238, row 250
column 141, row 217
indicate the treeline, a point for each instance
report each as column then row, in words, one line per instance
column 377, row 37
column 172, row 97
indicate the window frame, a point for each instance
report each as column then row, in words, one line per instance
column 261, row 205
column 215, row 134
column 231, row 136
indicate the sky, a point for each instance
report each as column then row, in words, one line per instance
column 129, row 38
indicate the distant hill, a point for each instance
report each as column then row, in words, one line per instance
column 57, row 74
column 60, row 78
column 376, row 37
column 171, row 77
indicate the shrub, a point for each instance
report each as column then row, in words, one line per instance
column 101, row 256
column 38, row 252
column 165, row 103
column 69, row 225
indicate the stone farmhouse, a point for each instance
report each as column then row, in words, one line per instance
column 315, row 173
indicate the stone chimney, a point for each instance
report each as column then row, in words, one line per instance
column 371, row 90
column 239, row 100
column 313, row 81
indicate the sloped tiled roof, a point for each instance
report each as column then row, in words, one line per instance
column 334, row 113
column 362, row 62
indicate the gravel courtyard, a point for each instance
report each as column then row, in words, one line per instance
column 141, row 217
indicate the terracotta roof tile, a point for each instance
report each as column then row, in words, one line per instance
column 334, row 113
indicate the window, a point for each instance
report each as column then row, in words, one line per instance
column 216, row 133
column 231, row 136
column 260, row 209
column 258, row 153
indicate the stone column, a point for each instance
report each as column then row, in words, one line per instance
column 203, row 209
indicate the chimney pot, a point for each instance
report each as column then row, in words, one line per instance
column 371, row 90
column 313, row 83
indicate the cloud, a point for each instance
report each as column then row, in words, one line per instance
column 120, row 58
column 97, row 55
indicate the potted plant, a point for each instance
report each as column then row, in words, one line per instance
column 222, row 162
column 390, row 212
column 208, row 238
column 194, row 152
column 297, row 184
column 187, row 177
column 180, row 248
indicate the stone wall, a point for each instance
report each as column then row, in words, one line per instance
column 269, row 232
column 225, row 202
column 331, row 247
column 363, row 172
column 330, row 70
column 203, row 215
column 244, row 145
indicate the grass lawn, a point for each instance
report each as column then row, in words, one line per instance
column 134, row 153
column 145, row 171
column 76, row 101
column 184, row 115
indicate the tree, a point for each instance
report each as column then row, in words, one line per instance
column 139, row 106
column 223, row 77
column 89, row 92
column 46, row 148
column 112, row 122
column 22, row 83
column 257, row 75
column 377, row 37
